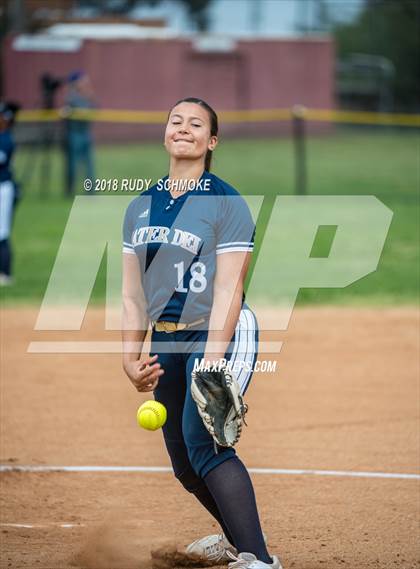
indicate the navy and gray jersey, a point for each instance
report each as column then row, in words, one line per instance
column 176, row 242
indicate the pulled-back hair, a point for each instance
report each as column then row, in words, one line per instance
column 214, row 123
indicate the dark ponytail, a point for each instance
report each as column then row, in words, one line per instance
column 214, row 124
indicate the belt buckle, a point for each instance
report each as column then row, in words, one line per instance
column 170, row 326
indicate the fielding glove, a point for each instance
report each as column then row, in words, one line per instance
column 220, row 404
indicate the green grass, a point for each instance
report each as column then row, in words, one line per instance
column 348, row 162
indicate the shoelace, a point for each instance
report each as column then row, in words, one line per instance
column 216, row 549
column 236, row 562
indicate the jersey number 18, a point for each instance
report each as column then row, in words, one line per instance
column 198, row 281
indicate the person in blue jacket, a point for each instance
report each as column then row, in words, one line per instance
column 78, row 132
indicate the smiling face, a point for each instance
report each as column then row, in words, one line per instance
column 187, row 134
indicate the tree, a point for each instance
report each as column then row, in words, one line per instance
column 196, row 8
column 390, row 28
column 198, row 12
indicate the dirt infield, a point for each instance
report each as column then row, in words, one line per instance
column 344, row 398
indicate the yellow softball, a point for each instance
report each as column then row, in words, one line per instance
column 151, row 415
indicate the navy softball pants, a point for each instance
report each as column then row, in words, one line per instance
column 191, row 448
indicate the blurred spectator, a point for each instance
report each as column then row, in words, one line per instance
column 8, row 189
column 78, row 136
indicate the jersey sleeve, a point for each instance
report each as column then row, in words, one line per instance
column 236, row 228
column 128, row 227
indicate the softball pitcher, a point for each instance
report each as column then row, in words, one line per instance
column 186, row 250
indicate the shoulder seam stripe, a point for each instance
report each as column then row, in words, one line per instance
column 234, row 243
column 233, row 249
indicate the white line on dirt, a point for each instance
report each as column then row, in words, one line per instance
column 284, row 471
column 35, row 526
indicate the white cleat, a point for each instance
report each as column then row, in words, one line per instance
column 6, row 280
column 249, row 561
column 213, row 549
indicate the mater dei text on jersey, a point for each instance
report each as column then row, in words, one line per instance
column 161, row 234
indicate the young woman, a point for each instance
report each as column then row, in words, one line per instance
column 187, row 246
